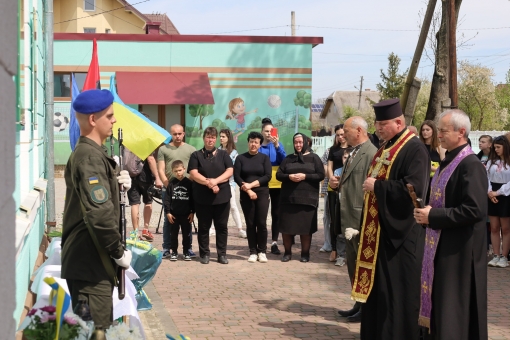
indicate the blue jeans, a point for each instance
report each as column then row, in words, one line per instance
column 166, row 231
column 326, row 220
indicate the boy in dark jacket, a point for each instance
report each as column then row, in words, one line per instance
column 179, row 209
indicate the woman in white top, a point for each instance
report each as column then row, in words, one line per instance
column 498, row 172
column 227, row 143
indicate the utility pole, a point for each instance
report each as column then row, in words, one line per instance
column 48, row 112
column 360, row 89
column 293, row 23
column 418, row 52
column 452, row 53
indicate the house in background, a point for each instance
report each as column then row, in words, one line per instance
column 338, row 102
column 107, row 16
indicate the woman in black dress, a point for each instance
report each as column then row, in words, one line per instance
column 428, row 135
column 210, row 170
column 300, row 174
column 252, row 172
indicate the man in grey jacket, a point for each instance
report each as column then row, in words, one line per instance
column 351, row 196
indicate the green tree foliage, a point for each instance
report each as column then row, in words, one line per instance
column 303, row 99
column 477, row 97
column 219, row 124
column 256, row 123
column 349, row 112
column 422, row 103
column 393, row 81
column 304, row 123
column 201, row 111
column 503, row 96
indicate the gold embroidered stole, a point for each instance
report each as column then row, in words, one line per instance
column 371, row 228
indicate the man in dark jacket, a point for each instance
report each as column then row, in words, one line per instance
column 91, row 242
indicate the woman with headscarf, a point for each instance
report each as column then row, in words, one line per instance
column 300, row 174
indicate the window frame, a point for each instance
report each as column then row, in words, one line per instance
column 67, row 99
column 89, row 28
column 85, row 2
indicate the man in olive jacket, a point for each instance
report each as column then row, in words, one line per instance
column 351, row 196
column 93, row 189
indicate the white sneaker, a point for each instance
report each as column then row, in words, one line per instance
column 502, row 263
column 262, row 258
column 252, row 258
column 242, row 233
column 494, row 261
column 340, row 261
column 212, row 231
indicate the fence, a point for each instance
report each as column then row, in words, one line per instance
column 320, row 144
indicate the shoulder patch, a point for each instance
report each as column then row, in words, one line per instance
column 93, row 180
column 99, row 194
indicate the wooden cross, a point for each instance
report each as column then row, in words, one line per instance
column 380, row 161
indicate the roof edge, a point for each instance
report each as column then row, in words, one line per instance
column 191, row 38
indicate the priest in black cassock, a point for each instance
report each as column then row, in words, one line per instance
column 390, row 254
column 454, row 263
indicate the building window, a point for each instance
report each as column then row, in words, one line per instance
column 107, row 30
column 89, row 5
column 89, row 30
column 62, row 84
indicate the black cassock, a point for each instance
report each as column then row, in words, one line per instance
column 459, row 293
column 392, row 308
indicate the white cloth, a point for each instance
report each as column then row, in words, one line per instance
column 496, row 173
column 350, row 233
column 52, row 267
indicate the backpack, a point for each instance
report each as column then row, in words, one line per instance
column 132, row 163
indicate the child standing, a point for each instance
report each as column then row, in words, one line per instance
column 179, row 209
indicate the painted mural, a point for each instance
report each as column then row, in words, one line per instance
column 242, row 111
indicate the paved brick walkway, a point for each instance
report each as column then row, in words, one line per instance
column 275, row 300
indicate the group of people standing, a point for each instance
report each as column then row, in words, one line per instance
column 416, row 271
column 293, row 195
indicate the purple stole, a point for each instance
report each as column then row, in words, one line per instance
column 437, row 200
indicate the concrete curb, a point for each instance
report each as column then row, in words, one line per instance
column 157, row 322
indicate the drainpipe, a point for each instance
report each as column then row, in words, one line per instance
column 48, row 96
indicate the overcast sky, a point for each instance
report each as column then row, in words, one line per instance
column 356, row 37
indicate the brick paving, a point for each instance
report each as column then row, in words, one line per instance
column 274, row 300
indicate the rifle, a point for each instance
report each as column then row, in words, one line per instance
column 122, row 221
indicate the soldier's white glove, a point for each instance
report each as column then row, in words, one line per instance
column 350, row 233
column 125, row 260
column 124, row 179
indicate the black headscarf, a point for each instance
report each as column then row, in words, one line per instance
column 305, row 146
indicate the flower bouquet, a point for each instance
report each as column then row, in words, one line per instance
column 43, row 325
column 123, row 332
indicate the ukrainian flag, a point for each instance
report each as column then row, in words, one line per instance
column 141, row 136
column 60, row 299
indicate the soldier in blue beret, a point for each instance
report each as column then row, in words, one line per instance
column 91, row 242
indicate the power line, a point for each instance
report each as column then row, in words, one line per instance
column 400, row 30
column 252, row 29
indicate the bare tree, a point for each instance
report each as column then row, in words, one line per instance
column 438, row 47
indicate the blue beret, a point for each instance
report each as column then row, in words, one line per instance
column 92, row 101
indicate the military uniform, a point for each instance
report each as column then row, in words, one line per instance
column 91, row 180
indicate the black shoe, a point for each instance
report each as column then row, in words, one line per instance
column 173, row 256
column 222, row 259
column 186, row 257
column 350, row 312
column 355, row 318
column 204, row 260
column 286, row 258
column 305, row 259
column 275, row 250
